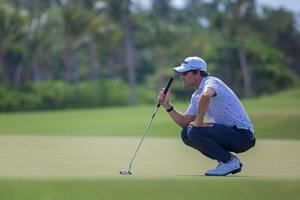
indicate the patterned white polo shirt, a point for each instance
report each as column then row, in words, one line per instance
column 224, row 108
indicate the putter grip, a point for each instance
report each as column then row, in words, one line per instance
column 168, row 86
column 166, row 89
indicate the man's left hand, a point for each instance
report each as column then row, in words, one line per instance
column 198, row 124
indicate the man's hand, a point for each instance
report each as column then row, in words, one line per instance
column 198, row 124
column 164, row 98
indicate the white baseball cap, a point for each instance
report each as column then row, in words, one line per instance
column 191, row 63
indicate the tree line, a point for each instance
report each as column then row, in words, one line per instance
column 254, row 49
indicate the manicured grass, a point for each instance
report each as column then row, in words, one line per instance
column 46, row 167
column 50, row 157
column 76, row 168
column 276, row 116
column 199, row 188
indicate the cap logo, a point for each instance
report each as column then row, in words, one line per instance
column 188, row 65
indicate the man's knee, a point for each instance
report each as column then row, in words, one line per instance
column 196, row 136
column 194, row 133
column 193, row 136
column 184, row 137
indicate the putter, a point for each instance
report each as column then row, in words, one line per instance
column 128, row 172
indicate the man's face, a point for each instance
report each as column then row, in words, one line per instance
column 188, row 79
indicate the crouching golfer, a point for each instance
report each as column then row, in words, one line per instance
column 229, row 128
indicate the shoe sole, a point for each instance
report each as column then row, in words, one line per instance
column 232, row 172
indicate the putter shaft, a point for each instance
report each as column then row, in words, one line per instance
column 146, row 130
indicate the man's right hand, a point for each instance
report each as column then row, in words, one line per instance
column 164, row 98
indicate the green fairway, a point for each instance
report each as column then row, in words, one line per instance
column 273, row 117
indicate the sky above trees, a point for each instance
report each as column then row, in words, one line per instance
column 292, row 5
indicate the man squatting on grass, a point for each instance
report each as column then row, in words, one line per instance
column 229, row 128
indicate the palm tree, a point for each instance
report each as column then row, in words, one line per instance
column 129, row 50
column 74, row 22
column 13, row 26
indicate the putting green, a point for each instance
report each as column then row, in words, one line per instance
column 44, row 157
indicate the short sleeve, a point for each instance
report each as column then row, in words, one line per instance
column 212, row 83
column 193, row 107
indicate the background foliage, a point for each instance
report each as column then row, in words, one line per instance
column 61, row 54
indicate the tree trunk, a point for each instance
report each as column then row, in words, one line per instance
column 70, row 69
column 228, row 69
column 129, row 51
column 94, row 67
column 6, row 70
column 246, row 74
column 2, row 64
column 18, row 75
column 36, row 71
column 228, row 74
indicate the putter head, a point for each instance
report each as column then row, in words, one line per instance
column 125, row 173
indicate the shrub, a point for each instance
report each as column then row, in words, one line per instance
column 59, row 94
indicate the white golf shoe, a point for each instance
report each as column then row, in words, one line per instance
column 233, row 166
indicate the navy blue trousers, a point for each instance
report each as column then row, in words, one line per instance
column 218, row 141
